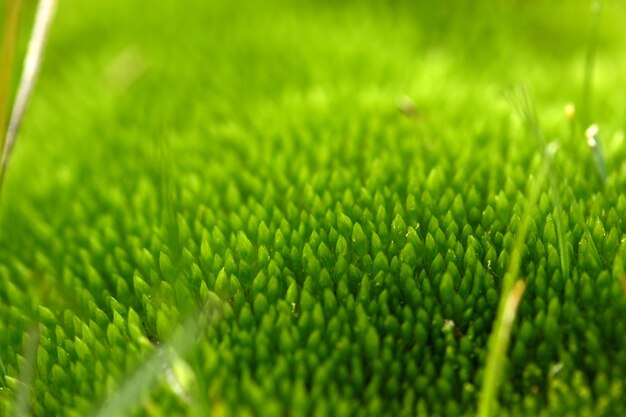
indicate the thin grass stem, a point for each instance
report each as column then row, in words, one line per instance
column 32, row 64
column 512, row 290
column 526, row 109
column 500, row 338
column 558, row 222
column 9, row 47
column 590, row 57
column 168, row 197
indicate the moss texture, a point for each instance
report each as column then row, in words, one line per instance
column 246, row 167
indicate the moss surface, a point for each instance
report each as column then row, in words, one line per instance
column 245, row 165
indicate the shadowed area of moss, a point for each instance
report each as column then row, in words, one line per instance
column 253, row 158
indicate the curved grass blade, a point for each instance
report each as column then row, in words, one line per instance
column 32, row 63
column 525, row 107
column 511, row 294
column 9, row 46
column 497, row 353
column 523, row 103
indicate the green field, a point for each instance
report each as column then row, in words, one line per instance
column 315, row 208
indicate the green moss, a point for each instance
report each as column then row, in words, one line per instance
column 243, row 167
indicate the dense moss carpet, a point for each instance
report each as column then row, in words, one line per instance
column 326, row 196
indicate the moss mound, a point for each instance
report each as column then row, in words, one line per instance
column 245, row 173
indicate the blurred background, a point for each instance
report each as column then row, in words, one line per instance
column 127, row 70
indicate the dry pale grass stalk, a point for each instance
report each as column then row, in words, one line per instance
column 9, row 43
column 32, row 63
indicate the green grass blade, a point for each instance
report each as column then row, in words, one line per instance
column 511, row 292
column 558, row 222
column 525, row 107
column 500, row 338
column 168, row 198
column 590, row 57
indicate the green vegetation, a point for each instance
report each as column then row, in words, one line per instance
column 318, row 208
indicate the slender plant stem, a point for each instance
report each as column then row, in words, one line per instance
column 32, row 64
column 558, row 222
column 500, row 338
column 586, row 102
column 512, row 288
column 500, row 335
column 525, row 107
column 9, row 46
